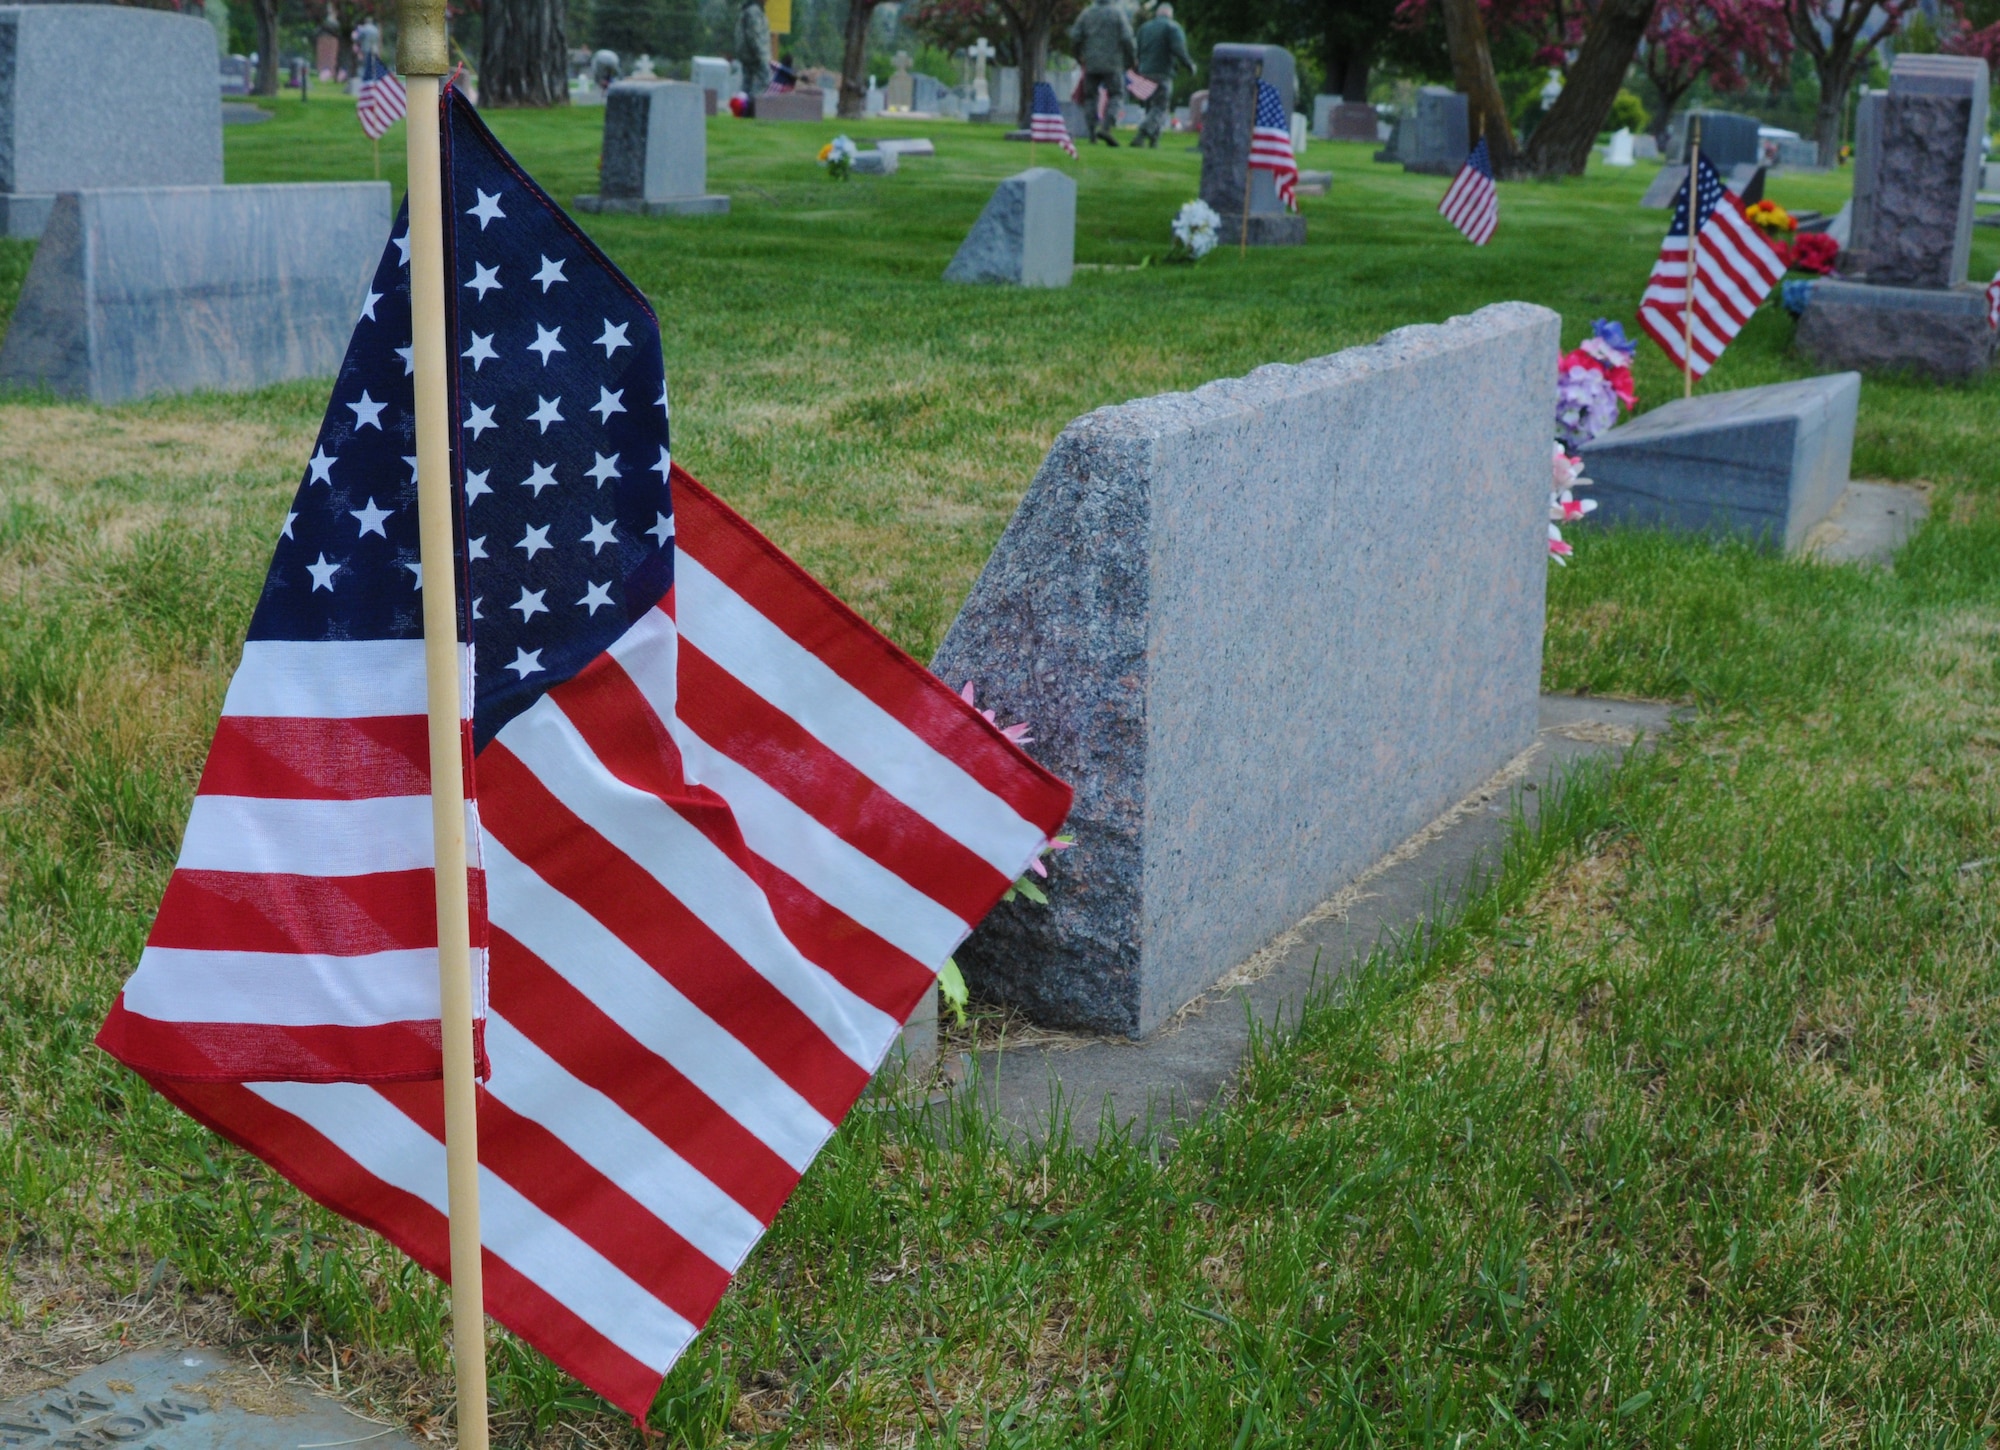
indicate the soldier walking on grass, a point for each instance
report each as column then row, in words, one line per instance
column 1104, row 46
column 753, row 49
column 1162, row 51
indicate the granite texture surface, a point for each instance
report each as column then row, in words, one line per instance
column 1266, row 629
column 1963, row 77
column 1026, row 236
column 1768, row 463
column 1922, row 233
column 1349, row 121
column 1867, row 169
column 1728, row 139
column 144, row 291
column 655, row 141
column 806, row 103
column 1225, row 145
column 1443, row 135
column 1941, row 334
column 104, row 95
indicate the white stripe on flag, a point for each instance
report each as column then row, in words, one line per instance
column 308, row 838
column 186, row 984
column 334, row 679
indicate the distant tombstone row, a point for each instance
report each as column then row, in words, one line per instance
column 1246, row 200
column 1335, row 119
column 1903, row 301
column 1728, row 139
column 1434, row 137
column 655, row 155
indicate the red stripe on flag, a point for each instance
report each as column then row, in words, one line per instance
column 315, row 759
column 338, row 916
column 528, row 819
column 200, row 1052
column 716, row 537
column 595, row 1050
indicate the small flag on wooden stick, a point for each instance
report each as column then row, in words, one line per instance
column 1473, row 202
column 1046, row 122
column 382, row 101
column 1735, row 267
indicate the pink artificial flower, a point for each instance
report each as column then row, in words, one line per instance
column 1558, row 549
column 1054, row 843
column 1018, row 733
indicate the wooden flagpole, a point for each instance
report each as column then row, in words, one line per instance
column 424, row 56
column 1694, row 254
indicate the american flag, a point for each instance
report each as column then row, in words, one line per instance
column 1993, row 302
column 727, row 833
column 382, row 101
column 1737, row 268
column 1271, row 144
column 1473, row 204
column 1045, row 121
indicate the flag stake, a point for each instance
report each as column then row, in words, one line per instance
column 1694, row 254
column 424, row 56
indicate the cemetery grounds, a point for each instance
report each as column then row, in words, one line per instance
column 1683, row 1132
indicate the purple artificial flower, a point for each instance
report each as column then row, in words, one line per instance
column 1612, row 335
column 1585, row 405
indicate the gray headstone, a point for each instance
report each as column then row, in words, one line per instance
column 711, row 73
column 183, row 1399
column 1867, row 164
column 1267, row 630
column 144, row 291
column 1797, row 153
column 1747, row 181
column 909, row 146
column 103, row 95
column 655, row 157
column 1665, row 187
column 875, row 163
column 1765, row 462
column 1351, row 121
column 1914, row 208
column 1225, row 151
column 927, row 93
column 1727, row 139
column 1323, row 116
column 1026, row 236
column 1937, row 333
column 1007, row 94
column 803, row 103
column 1645, row 148
column 1443, row 136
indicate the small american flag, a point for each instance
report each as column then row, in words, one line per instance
column 1993, row 302
column 382, row 101
column 1045, row 122
column 1473, row 204
column 723, row 833
column 1271, row 144
column 1737, row 268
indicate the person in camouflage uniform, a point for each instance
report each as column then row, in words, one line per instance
column 1105, row 49
column 753, row 49
column 1162, row 51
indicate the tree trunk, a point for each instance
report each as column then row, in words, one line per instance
column 265, row 15
column 854, row 59
column 1346, row 71
column 524, row 60
column 1562, row 141
column 1472, row 69
column 1034, row 62
column 1669, row 98
column 1836, row 78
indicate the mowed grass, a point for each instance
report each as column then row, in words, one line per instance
column 1683, row 1134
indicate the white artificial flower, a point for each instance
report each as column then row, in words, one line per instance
column 1196, row 227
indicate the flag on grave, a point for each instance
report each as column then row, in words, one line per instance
column 1735, row 269
column 1473, row 204
column 382, row 100
column 727, row 834
column 1271, row 144
column 1045, row 122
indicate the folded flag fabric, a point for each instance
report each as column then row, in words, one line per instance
column 1735, row 269
column 1045, row 121
column 1138, row 87
column 1271, row 144
column 727, row 834
column 382, row 100
column 1473, row 203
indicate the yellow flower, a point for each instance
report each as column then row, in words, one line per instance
column 826, row 151
column 1770, row 216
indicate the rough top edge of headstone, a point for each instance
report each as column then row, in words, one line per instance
column 1167, row 413
column 1736, row 406
column 129, row 14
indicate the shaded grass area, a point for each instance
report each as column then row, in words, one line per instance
column 1684, row 1133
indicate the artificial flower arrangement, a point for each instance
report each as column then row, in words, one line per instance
column 1592, row 381
column 1813, row 252
column 1770, row 218
column 1564, row 506
column 837, row 156
column 951, row 982
column 1197, row 226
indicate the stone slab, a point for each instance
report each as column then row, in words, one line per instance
column 1870, row 524
column 805, row 103
column 1443, row 134
column 710, row 205
column 151, row 290
column 184, row 1399
column 1747, row 181
column 908, row 146
column 1768, row 463
column 1025, row 237
column 104, row 96
column 24, row 215
column 1728, row 139
column 875, row 163
column 655, row 141
column 1281, row 621
column 1664, row 188
column 1082, row 1085
column 1345, row 120
column 1940, row 334
column 1225, row 140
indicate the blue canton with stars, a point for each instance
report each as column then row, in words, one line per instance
column 1708, row 196
column 564, row 530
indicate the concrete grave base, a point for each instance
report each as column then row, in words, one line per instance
column 1767, row 462
column 667, row 206
column 806, row 103
column 174, row 289
column 1026, row 236
column 25, row 214
column 1664, row 188
column 1267, row 229
column 1267, row 629
column 1937, row 333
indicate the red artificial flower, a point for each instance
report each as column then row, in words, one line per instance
column 1813, row 252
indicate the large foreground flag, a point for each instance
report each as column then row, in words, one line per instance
column 1473, row 203
column 1736, row 268
column 1271, row 144
column 726, row 833
column 1045, row 121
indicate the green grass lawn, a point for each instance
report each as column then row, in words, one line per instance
column 1684, row 1135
